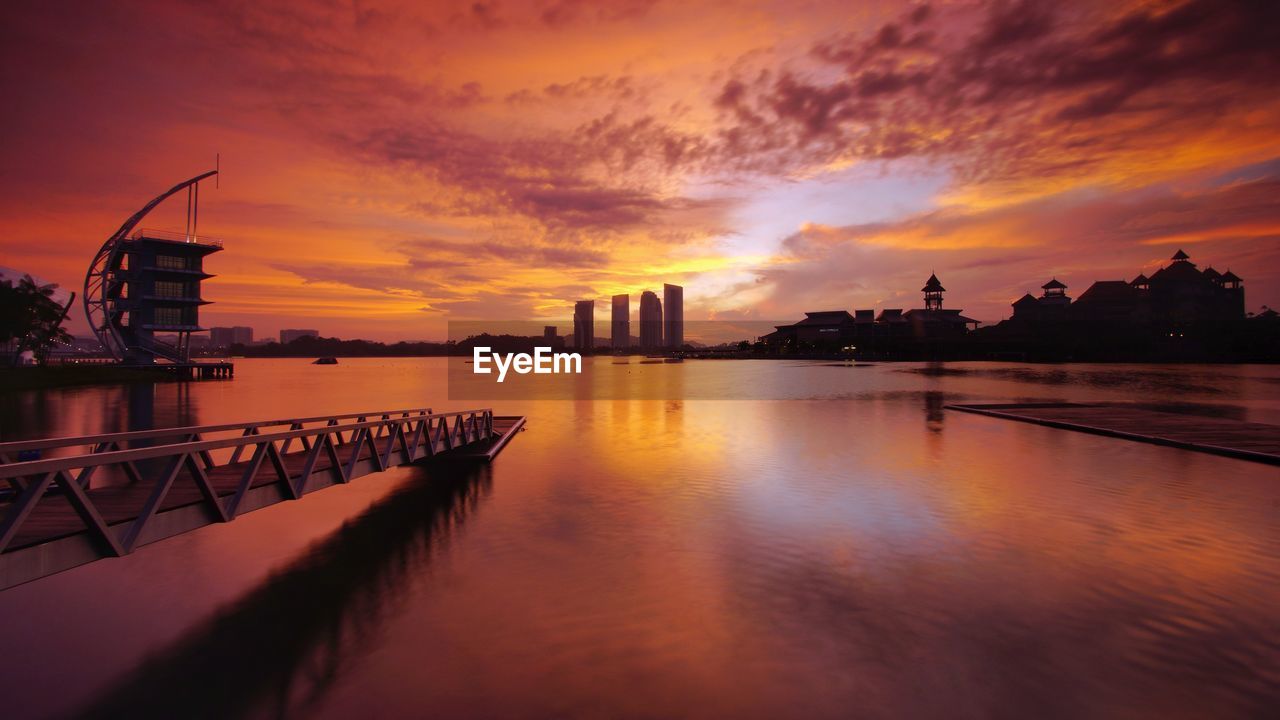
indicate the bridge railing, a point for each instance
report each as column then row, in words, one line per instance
column 103, row 442
column 336, row 451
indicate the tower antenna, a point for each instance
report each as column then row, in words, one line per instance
column 217, row 166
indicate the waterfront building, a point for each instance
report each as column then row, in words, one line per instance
column 1175, row 299
column 650, row 321
column 1050, row 306
column 673, row 316
column 933, row 321
column 831, row 329
column 223, row 337
column 1179, row 312
column 288, row 336
column 584, row 336
column 621, row 326
column 933, row 293
column 161, row 274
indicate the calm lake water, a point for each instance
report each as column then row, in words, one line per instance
column 854, row 551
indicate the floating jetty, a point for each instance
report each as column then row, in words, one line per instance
column 64, row 506
column 1258, row 442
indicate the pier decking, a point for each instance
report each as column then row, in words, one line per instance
column 1220, row 436
column 56, row 517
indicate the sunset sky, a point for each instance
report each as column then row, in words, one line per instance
column 389, row 166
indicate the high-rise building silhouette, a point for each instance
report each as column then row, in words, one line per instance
column 621, row 325
column 584, row 334
column 650, row 321
column 223, row 337
column 673, row 319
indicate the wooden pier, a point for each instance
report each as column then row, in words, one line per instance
column 1258, row 442
column 63, row 507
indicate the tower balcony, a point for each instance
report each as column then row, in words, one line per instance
column 203, row 242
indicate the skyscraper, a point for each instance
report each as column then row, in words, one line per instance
column 584, row 334
column 621, row 328
column 223, row 337
column 650, row 321
column 673, row 322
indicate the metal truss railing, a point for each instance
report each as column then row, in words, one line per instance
column 121, row 440
column 336, row 450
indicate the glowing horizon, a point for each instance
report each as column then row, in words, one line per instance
column 388, row 167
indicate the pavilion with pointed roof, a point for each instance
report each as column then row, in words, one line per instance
column 933, row 293
column 1175, row 294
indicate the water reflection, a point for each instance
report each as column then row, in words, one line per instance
column 859, row 551
column 1139, row 379
column 935, row 402
column 282, row 646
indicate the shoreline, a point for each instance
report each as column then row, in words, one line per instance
column 51, row 378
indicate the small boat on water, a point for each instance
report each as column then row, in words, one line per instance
column 673, row 360
column 326, row 361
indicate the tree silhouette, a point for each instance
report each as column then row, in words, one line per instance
column 30, row 315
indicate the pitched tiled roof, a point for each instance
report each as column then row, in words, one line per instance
column 1108, row 292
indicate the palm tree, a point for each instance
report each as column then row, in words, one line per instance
column 30, row 315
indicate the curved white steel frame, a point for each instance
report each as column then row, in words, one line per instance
column 102, row 289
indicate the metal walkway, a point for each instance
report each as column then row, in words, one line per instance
column 68, row 501
column 1258, row 442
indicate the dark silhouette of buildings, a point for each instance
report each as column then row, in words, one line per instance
column 225, row 337
column 584, row 334
column 551, row 338
column 1179, row 313
column 620, row 335
column 892, row 332
column 650, row 321
column 162, row 277
column 142, row 282
column 673, row 317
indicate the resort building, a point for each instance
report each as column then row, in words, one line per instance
column 1176, row 298
column 827, row 329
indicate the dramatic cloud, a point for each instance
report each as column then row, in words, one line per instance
column 389, row 164
column 1029, row 92
column 988, row 258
